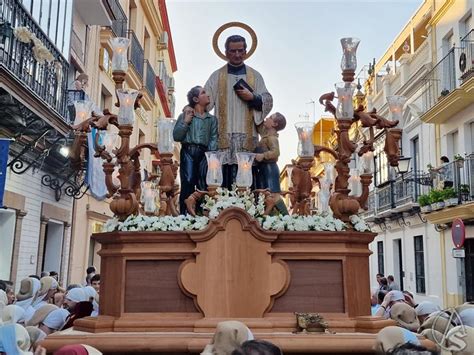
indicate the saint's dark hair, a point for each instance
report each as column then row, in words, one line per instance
column 234, row 39
column 193, row 93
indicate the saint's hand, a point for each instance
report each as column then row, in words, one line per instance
column 244, row 94
column 188, row 114
column 259, row 157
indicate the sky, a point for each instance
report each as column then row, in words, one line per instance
column 298, row 51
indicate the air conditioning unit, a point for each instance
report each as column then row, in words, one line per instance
column 163, row 41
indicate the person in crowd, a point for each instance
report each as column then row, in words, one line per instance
column 257, row 347
column 229, row 336
column 405, row 316
column 95, row 282
column 392, row 337
column 35, row 277
column 90, row 272
column 44, row 273
column 76, row 301
column 36, row 335
column 389, row 300
column 49, row 286
column 54, row 274
column 54, row 321
column 392, row 285
column 93, row 296
column 77, row 349
column 378, row 277
column 424, row 309
column 384, row 284
column 7, row 287
column 12, row 314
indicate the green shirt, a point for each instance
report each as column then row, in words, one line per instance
column 201, row 130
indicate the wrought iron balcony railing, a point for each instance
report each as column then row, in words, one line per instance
column 119, row 18
column 466, row 57
column 136, row 54
column 398, row 193
column 459, row 174
column 440, row 81
column 46, row 80
column 150, row 78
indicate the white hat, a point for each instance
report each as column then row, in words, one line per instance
column 77, row 295
column 56, row 319
column 12, row 314
column 426, row 307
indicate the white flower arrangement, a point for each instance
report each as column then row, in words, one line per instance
column 225, row 198
column 246, row 200
column 40, row 51
column 359, row 224
column 157, row 224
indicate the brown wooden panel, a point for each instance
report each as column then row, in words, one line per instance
column 315, row 286
column 152, row 286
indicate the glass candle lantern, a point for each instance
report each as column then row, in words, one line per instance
column 349, row 50
column 367, row 163
column 119, row 58
column 354, row 183
column 110, row 140
column 345, row 108
column 165, row 135
column 244, row 172
column 214, row 175
column 149, row 194
column 83, row 110
column 289, row 171
column 395, row 105
column 329, row 172
column 127, row 98
column 305, row 139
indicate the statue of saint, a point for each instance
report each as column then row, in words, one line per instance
column 241, row 101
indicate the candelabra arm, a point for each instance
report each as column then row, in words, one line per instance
column 325, row 100
column 152, row 147
column 108, row 170
column 318, row 149
column 365, row 180
column 100, row 151
column 191, row 201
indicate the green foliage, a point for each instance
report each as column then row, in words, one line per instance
column 436, row 196
column 449, row 193
column 424, row 200
column 464, row 188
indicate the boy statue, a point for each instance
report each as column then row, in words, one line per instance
column 268, row 151
column 196, row 129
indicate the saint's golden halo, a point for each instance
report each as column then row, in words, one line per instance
column 243, row 26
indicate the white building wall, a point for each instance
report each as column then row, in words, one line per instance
column 29, row 185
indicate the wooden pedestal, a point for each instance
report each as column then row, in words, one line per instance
column 176, row 286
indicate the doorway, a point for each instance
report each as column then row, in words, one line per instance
column 53, row 246
column 7, row 238
column 469, row 267
column 398, row 272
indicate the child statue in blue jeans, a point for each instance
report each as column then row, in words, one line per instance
column 268, row 151
column 196, row 129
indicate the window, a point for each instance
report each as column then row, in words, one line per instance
column 415, row 153
column 452, row 144
column 93, row 259
column 7, row 238
column 419, row 264
column 53, row 242
column 380, row 258
column 381, row 163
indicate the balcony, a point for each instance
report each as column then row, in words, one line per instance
column 118, row 16
column 93, row 12
column 449, row 87
column 461, row 174
column 150, row 79
column 397, row 196
column 136, row 54
column 38, row 84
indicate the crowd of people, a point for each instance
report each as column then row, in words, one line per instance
column 42, row 306
column 451, row 330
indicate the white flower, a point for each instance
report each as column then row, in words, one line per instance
column 23, row 34
column 111, row 225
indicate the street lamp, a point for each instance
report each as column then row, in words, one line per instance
column 403, row 165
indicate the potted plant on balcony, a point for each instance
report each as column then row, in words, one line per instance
column 459, row 159
column 432, row 171
column 464, row 190
column 450, row 197
column 436, row 198
column 424, row 202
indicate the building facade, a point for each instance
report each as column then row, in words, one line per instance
column 422, row 64
column 36, row 219
column 151, row 67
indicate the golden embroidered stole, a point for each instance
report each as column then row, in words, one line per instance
column 223, row 141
